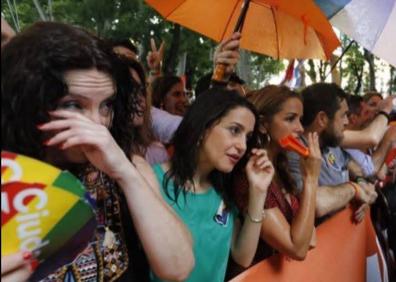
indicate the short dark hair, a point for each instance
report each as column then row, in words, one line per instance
column 371, row 94
column 32, row 82
column 207, row 109
column 354, row 104
column 203, row 83
column 318, row 97
column 161, row 86
column 127, row 43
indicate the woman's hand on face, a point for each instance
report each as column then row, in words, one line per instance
column 73, row 129
column 311, row 165
column 16, row 267
column 259, row 170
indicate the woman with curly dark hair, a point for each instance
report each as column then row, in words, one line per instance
column 67, row 100
column 216, row 133
column 288, row 227
column 144, row 142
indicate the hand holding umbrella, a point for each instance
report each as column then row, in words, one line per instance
column 226, row 57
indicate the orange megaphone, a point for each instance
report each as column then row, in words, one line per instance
column 290, row 143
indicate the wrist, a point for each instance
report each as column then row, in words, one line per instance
column 255, row 219
column 311, row 179
column 360, row 179
column 127, row 173
column 356, row 189
column 385, row 114
column 155, row 72
column 257, row 192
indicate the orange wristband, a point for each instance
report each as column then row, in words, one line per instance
column 355, row 187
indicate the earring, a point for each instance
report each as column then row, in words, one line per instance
column 199, row 141
column 263, row 140
column 268, row 138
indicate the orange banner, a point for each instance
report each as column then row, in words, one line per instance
column 342, row 254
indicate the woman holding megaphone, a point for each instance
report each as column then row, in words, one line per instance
column 288, row 227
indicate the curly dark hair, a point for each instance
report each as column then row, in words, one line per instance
column 32, row 82
column 144, row 134
column 208, row 109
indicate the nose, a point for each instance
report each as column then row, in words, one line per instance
column 346, row 121
column 299, row 128
column 97, row 118
column 241, row 144
column 183, row 98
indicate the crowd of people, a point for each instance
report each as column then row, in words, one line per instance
column 186, row 191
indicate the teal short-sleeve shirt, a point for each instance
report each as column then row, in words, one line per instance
column 211, row 227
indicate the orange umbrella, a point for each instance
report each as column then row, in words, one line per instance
column 279, row 28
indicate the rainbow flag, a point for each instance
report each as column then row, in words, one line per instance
column 43, row 210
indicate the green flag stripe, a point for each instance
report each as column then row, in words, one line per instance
column 65, row 229
column 70, row 183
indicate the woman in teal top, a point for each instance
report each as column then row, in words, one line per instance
column 216, row 132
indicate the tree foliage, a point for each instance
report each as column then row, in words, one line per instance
column 134, row 19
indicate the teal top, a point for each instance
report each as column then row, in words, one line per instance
column 211, row 228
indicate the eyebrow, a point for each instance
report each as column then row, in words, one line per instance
column 241, row 126
column 238, row 124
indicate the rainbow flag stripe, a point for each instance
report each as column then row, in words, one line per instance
column 43, row 208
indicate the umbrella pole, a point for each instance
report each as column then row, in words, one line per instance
column 242, row 17
column 339, row 58
column 218, row 73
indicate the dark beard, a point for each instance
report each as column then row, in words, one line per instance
column 329, row 139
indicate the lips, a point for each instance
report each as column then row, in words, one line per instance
column 233, row 158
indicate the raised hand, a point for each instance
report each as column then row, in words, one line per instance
column 311, row 165
column 155, row 56
column 259, row 171
column 227, row 53
column 95, row 141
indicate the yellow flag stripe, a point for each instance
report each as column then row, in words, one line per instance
column 59, row 203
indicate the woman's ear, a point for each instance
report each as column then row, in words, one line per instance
column 263, row 125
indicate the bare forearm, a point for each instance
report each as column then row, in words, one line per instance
column 165, row 239
column 380, row 154
column 303, row 224
column 245, row 245
column 331, row 199
column 368, row 137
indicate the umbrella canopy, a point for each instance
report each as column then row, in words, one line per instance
column 278, row 28
column 371, row 23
